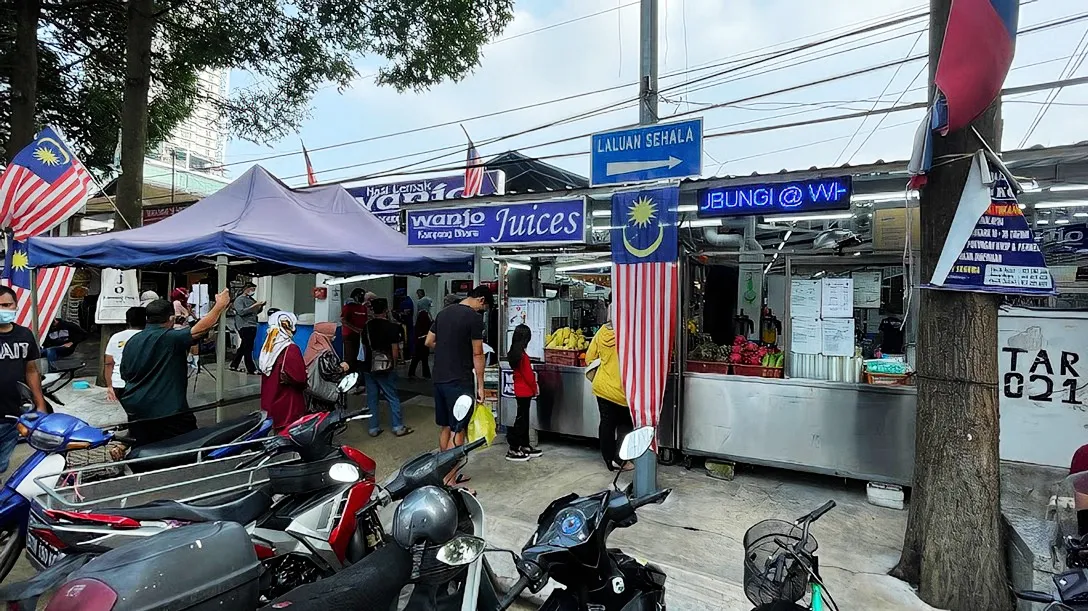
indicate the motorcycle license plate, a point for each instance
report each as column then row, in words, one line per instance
column 44, row 554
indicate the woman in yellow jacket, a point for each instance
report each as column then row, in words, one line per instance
column 611, row 399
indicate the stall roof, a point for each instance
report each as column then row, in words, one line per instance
column 260, row 221
column 524, row 173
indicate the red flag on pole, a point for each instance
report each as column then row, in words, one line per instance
column 311, row 179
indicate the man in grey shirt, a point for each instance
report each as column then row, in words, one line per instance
column 246, row 310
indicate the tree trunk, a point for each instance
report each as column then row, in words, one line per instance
column 24, row 77
column 139, row 33
column 954, row 547
column 140, row 30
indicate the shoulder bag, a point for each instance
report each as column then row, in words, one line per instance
column 380, row 361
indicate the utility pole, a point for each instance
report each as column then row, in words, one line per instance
column 646, row 466
column 953, row 549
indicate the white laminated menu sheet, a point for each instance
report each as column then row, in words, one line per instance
column 837, row 298
column 805, row 335
column 533, row 313
column 805, row 299
column 837, row 336
column 867, row 289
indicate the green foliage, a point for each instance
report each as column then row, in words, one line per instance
column 291, row 47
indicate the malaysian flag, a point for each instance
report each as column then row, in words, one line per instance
column 42, row 186
column 474, row 170
column 311, row 179
column 53, row 285
column 644, row 294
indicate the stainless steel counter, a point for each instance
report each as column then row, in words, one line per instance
column 566, row 404
column 851, row 430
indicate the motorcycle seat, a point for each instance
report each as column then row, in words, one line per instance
column 219, row 434
column 242, row 507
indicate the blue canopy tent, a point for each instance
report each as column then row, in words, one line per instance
column 262, row 225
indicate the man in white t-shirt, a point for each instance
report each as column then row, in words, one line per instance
column 136, row 319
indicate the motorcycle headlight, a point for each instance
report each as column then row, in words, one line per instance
column 461, row 550
column 343, row 472
column 46, row 442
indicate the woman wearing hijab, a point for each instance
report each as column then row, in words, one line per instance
column 283, row 372
column 324, row 367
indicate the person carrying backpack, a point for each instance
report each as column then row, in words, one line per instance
column 324, row 368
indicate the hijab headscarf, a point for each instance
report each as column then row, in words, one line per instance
column 281, row 333
column 320, row 341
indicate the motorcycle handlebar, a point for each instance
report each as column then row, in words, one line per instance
column 816, row 515
column 479, row 443
column 514, row 593
column 650, row 499
column 1035, row 596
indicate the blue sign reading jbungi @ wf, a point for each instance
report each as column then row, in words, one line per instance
column 762, row 199
column 549, row 222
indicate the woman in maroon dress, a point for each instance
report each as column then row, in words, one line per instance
column 283, row 372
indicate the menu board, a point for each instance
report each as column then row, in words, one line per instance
column 534, row 314
column 837, row 298
column 805, row 336
column 837, row 337
column 805, row 299
column 867, row 289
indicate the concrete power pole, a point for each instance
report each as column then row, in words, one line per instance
column 646, row 466
column 954, row 549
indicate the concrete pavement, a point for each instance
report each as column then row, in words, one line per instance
column 695, row 536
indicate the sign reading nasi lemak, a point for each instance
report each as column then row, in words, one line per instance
column 762, row 199
column 549, row 222
column 385, row 200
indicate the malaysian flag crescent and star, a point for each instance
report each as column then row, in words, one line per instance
column 53, row 284
column 42, row 186
column 644, row 290
column 979, row 43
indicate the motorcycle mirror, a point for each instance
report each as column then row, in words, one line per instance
column 348, row 382
column 462, row 407
column 636, row 443
column 462, row 550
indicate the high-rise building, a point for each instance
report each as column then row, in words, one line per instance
column 199, row 142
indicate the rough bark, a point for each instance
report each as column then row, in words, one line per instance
column 140, row 30
column 24, row 76
column 954, row 549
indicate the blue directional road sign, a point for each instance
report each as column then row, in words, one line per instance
column 647, row 152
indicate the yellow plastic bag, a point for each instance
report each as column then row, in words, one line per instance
column 482, row 424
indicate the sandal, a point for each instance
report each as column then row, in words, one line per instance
column 376, row 432
column 402, row 431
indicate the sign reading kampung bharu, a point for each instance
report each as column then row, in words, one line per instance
column 548, row 222
column 818, row 195
column 385, row 200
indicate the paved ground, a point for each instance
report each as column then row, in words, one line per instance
column 695, row 536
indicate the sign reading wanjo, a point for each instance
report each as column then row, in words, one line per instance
column 777, row 198
column 548, row 222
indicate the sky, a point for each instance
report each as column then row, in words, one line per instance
column 697, row 40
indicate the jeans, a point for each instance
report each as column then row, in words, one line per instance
column 386, row 382
column 615, row 424
column 248, row 335
column 8, row 440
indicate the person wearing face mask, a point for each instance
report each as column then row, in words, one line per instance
column 19, row 356
column 246, row 309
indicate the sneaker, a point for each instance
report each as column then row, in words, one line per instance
column 532, row 452
column 517, row 456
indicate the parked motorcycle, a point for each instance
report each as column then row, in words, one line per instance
column 53, row 435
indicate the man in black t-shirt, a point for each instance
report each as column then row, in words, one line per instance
column 457, row 339
column 383, row 337
column 19, row 356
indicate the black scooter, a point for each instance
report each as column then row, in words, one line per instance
column 571, row 546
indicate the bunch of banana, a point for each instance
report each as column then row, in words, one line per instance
column 566, row 339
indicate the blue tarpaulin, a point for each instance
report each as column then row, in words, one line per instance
column 259, row 219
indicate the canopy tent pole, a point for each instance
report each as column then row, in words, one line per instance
column 34, row 306
column 220, row 342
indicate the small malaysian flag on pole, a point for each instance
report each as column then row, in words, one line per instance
column 311, row 178
column 474, row 169
column 42, row 186
column 645, row 294
column 52, row 284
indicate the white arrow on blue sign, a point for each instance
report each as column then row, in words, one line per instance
column 647, row 152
